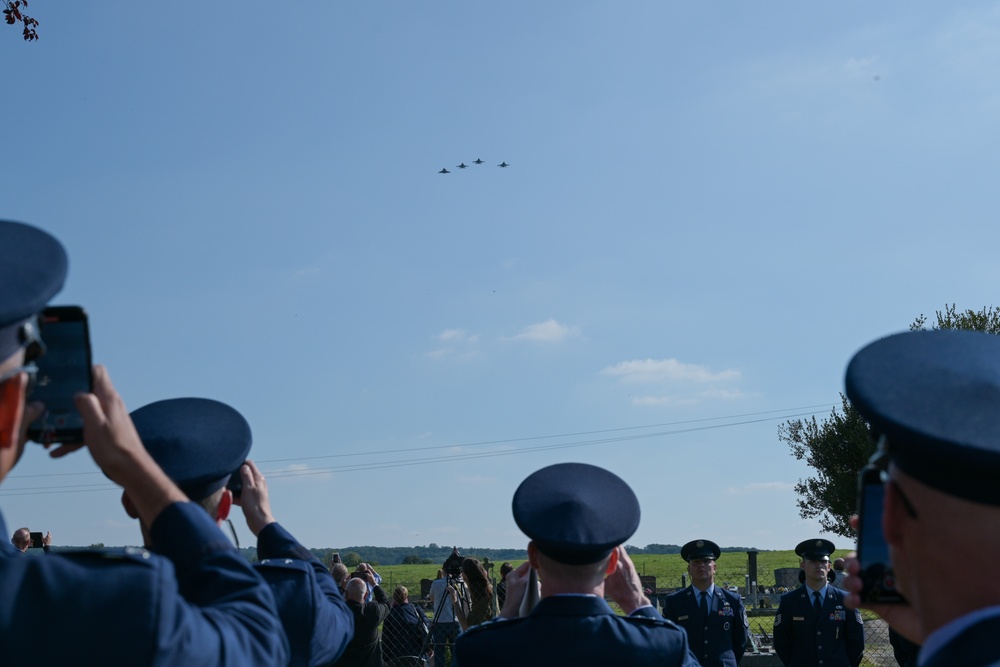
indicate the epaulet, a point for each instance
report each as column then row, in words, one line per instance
column 494, row 623
column 134, row 554
column 653, row 621
column 283, row 564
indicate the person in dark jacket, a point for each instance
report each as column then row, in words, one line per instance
column 365, row 650
column 404, row 632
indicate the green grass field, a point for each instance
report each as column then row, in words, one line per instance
column 667, row 568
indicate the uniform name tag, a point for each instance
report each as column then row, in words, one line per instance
column 798, row 618
column 682, row 618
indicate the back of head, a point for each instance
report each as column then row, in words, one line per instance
column 339, row 572
column 21, row 538
column 400, row 595
column 576, row 513
column 357, row 590
column 200, row 443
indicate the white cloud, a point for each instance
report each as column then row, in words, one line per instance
column 669, row 370
column 548, row 331
column 755, row 487
column 662, row 400
column 458, row 336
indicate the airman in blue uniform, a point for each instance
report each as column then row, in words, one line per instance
column 577, row 516
column 717, row 627
column 203, row 445
column 932, row 401
column 114, row 607
column 813, row 626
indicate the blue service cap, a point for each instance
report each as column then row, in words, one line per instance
column 33, row 268
column 814, row 549
column 575, row 513
column 198, row 442
column 700, row 549
column 935, row 396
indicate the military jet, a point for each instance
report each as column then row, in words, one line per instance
column 477, row 161
column 503, row 164
column 463, row 166
column 444, row 171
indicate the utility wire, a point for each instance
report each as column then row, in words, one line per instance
column 277, row 474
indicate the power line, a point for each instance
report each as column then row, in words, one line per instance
column 278, row 474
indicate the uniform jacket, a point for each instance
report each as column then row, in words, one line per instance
column 722, row 639
column 975, row 646
column 365, row 649
column 200, row 603
column 803, row 637
column 575, row 630
column 313, row 612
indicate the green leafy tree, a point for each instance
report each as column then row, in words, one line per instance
column 351, row 559
column 837, row 448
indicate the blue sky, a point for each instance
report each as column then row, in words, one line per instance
column 709, row 208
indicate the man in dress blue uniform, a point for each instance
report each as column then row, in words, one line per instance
column 932, row 398
column 577, row 516
column 714, row 618
column 813, row 626
column 201, row 444
column 126, row 607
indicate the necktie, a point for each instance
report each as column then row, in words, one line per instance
column 816, row 603
column 704, row 606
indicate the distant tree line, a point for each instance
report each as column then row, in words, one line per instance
column 432, row 554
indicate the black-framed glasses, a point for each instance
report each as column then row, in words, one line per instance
column 880, row 459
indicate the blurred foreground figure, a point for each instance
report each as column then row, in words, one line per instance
column 577, row 516
column 124, row 606
column 933, row 400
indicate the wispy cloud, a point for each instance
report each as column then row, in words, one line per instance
column 666, row 370
column 670, row 382
column 457, row 336
column 459, row 345
column 548, row 331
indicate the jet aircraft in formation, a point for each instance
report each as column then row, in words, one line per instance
column 444, row 170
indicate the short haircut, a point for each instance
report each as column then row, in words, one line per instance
column 400, row 595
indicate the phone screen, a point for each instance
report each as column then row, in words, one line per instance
column 63, row 371
column 873, row 552
column 36, row 541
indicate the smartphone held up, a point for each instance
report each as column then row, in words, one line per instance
column 63, row 371
column 879, row 584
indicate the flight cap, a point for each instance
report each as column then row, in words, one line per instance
column 814, row 549
column 198, row 442
column 700, row 549
column 935, row 396
column 576, row 513
column 33, row 267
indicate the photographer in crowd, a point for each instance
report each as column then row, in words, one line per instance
column 404, row 632
column 365, row 649
column 202, row 445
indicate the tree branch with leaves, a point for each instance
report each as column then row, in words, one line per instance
column 13, row 14
column 838, row 448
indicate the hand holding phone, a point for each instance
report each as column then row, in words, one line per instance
column 63, row 371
